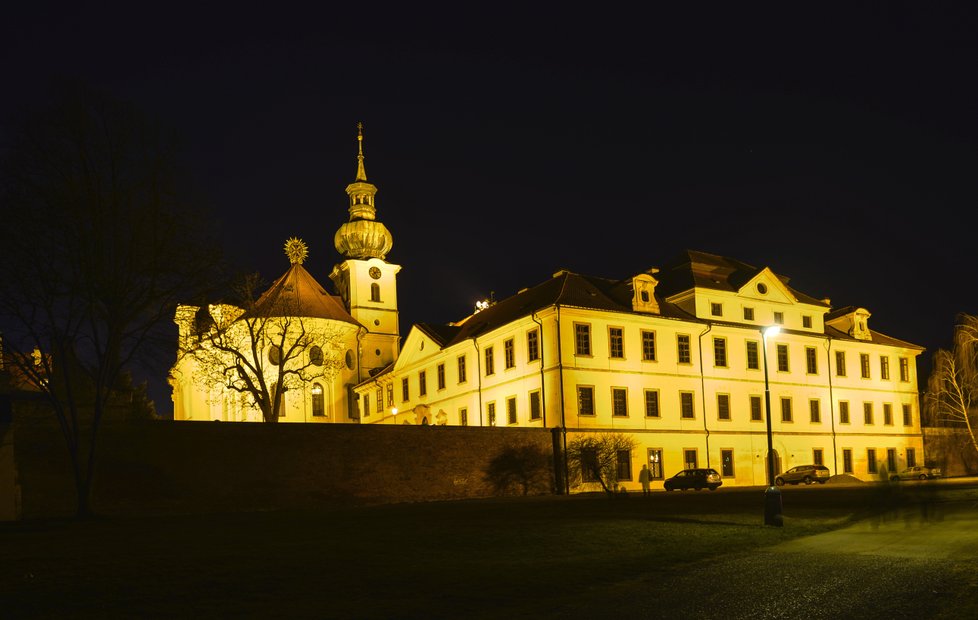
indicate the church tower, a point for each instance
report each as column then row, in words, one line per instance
column 366, row 282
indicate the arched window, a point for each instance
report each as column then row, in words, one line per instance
column 316, row 357
column 318, row 405
column 374, row 292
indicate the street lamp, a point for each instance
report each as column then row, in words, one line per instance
column 772, row 496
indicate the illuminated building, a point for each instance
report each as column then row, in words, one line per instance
column 671, row 356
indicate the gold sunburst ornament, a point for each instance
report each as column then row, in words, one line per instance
column 296, row 250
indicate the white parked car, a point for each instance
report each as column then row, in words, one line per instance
column 917, row 472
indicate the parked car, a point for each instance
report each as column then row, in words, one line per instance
column 698, row 478
column 804, row 473
column 917, row 472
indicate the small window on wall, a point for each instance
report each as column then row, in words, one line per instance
column 689, row 459
column 652, row 403
column 511, row 410
column 843, row 412
column 907, row 415
column 904, row 369
column 619, row 402
column 748, row 314
column 463, row 417
column 727, row 463
column 318, row 402
column 686, row 410
column 840, row 364
column 648, row 346
column 374, row 292
column 723, row 406
column 779, row 318
column 847, row 460
column 817, row 456
column 806, row 322
column 871, row 465
column 535, row 409
column 683, row 352
column 753, row 358
column 782, row 357
column 755, row 409
column 585, row 400
column 491, row 414
column 616, row 342
column 716, row 309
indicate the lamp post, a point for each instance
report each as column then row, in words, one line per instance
column 772, row 496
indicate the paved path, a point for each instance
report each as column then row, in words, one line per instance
column 901, row 565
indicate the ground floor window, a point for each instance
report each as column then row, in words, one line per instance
column 463, row 417
column 589, row 465
column 891, row 460
column 534, row 405
column 727, row 463
column 689, row 459
column 491, row 414
column 318, row 402
column 624, row 465
column 655, row 463
column 911, row 457
column 871, row 460
column 817, row 456
column 847, row 460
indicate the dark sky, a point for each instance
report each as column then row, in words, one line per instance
column 833, row 142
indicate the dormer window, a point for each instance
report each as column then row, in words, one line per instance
column 779, row 318
column 806, row 322
column 643, row 294
column 716, row 309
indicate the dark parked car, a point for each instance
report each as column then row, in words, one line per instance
column 699, row 478
column 918, row 472
column 804, row 473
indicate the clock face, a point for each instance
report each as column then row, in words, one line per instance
column 375, row 272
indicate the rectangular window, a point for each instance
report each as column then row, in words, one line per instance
column 422, row 383
column 461, row 368
column 405, row 390
column 655, row 464
column 748, row 314
column 366, row 405
column 904, row 369
column 753, row 358
column 616, row 343
column 509, row 354
column 624, row 465
column 651, row 403
column 806, row 322
column 441, row 376
column 911, row 457
column 490, row 362
column 491, row 414
column 463, row 417
column 815, row 408
column 891, row 459
column 843, row 412
column 811, row 360
column 884, row 367
column 783, row 357
column 871, row 465
column 648, row 346
column 390, row 395
column 511, row 410
column 585, row 400
column 686, row 405
column 318, row 403
column 755, row 409
column 779, row 318
column 589, row 465
column 716, row 309
column 532, row 345
column 907, row 416
column 380, row 399
column 726, row 463
column 867, row 413
column 847, row 460
column 864, row 365
column 619, row 402
column 682, row 349
column 817, row 457
column 720, row 352
column 689, row 458
column 840, row 364
column 582, row 339
column 786, row 409
column 887, row 414
column 723, row 406
column 535, row 409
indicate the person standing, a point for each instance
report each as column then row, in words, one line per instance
column 645, row 476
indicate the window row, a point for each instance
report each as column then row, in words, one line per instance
column 687, row 409
column 616, row 350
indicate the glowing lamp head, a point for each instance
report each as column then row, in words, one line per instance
column 771, row 330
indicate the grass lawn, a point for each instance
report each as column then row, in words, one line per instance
column 480, row 558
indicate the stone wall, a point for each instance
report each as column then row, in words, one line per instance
column 189, row 467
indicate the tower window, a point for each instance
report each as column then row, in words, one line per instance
column 374, row 292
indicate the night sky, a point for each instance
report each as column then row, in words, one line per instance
column 835, row 143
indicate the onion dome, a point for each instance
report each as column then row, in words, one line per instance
column 363, row 236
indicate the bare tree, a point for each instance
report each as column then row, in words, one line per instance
column 594, row 458
column 952, row 388
column 98, row 244
column 262, row 347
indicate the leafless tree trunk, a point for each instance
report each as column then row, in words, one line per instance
column 952, row 388
column 98, row 246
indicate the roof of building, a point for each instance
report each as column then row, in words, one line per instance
column 691, row 269
column 296, row 293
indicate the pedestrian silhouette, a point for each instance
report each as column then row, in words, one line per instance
column 645, row 476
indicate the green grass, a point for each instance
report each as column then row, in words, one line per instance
column 483, row 558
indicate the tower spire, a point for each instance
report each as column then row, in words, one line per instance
column 361, row 171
